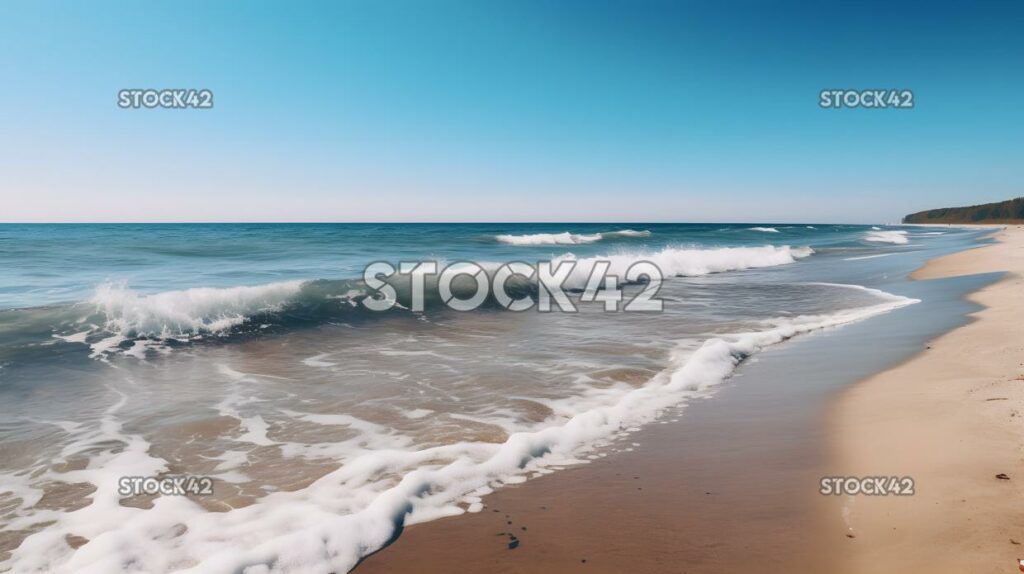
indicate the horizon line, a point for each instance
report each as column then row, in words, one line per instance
column 462, row 222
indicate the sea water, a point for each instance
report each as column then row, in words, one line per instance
column 240, row 352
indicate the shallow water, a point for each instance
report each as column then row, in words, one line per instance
column 323, row 426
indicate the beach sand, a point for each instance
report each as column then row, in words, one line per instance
column 732, row 485
column 951, row 419
column 722, row 488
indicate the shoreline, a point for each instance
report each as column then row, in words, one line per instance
column 686, row 496
column 682, row 494
column 949, row 418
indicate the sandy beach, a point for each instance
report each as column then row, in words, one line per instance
column 950, row 418
column 684, row 501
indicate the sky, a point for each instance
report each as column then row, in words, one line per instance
column 519, row 110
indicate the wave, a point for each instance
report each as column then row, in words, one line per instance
column 764, row 229
column 118, row 319
column 567, row 238
column 627, row 233
column 177, row 313
column 898, row 237
column 677, row 262
column 330, row 525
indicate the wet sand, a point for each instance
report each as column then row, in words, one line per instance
column 722, row 488
column 732, row 484
column 952, row 419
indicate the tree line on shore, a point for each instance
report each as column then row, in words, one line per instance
column 1009, row 211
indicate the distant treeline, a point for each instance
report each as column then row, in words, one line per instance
column 1010, row 211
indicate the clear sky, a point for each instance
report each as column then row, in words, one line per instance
column 431, row 110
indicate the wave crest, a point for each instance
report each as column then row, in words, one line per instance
column 566, row 238
column 189, row 311
column 895, row 236
column 677, row 262
column 117, row 315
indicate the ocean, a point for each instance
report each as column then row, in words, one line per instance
column 241, row 354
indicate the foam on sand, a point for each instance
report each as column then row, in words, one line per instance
column 350, row 512
column 318, row 361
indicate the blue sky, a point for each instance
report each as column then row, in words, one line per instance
column 495, row 111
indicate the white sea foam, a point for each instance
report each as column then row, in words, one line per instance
column 106, row 345
column 79, row 337
column 894, row 236
column 350, row 512
column 765, row 229
column 567, row 238
column 191, row 314
column 627, row 233
column 418, row 413
column 861, row 257
column 690, row 262
column 318, row 361
column 187, row 312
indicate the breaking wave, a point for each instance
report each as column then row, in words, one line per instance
column 678, row 262
column 896, row 236
column 567, row 238
column 119, row 319
column 176, row 313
